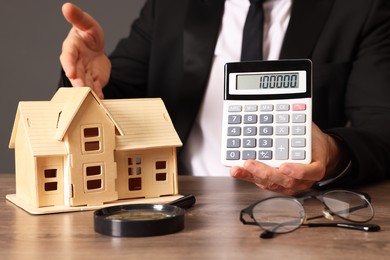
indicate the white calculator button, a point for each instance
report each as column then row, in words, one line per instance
column 282, row 107
column 298, row 142
column 299, row 118
column 282, row 118
column 298, row 130
column 298, row 155
column 249, row 155
column 235, row 108
column 266, row 107
column 281, row 148
column 250, row 108
column 281, row 130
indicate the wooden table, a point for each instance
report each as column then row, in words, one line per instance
column 212, row 230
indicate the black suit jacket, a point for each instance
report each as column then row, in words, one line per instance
column 169, row 51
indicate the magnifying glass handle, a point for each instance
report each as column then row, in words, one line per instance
column 184, row 202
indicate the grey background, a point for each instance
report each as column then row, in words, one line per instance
column 31, row 35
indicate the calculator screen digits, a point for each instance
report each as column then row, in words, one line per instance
column 267, row 81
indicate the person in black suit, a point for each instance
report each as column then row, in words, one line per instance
column 169, row 54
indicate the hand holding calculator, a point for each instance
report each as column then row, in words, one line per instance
column 267, row 112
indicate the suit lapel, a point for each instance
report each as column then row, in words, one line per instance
column 307, row 20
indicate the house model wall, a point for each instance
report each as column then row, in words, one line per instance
column 77, row 150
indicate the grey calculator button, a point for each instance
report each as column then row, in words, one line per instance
column 235, row 108
column 234, row 119
column 234, row 131
column 266, row 107
column 266, row 118
column 281, row 130
column 282, row 118
column 298, row 130
column 298, row 118
column 298, row 155
column 282, row 107
column 249, row 142
column 233, row 155
column 265, row 142
column 281, row 148
column 233, row 143
column 265, row 155
column 250, row 130
column 250, row 119
column 250, row 108
column 249, row 155
column 266, row 130
column 298, row 142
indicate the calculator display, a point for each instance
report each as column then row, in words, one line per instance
column 268, row 81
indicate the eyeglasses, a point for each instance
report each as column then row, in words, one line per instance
column 283, row 214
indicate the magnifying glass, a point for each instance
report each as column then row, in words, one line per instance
column 141, row 220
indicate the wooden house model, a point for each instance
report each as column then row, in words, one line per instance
column 78, row 151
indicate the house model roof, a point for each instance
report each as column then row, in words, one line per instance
column 141, row 123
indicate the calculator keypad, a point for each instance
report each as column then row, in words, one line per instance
column 267, row 132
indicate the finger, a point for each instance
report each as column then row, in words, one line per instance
column 86, row 25
column 69, row 57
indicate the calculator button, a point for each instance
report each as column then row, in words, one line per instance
column 298, row 118
column 233, row 143
column 281, row 148
column 250, row 119
column 282, row 107
column 235, row 108
column 265, row 155
column 298, row 107
column 298, row 130
column 298, row 155
column 298, row 142
column 234, row 131
column 266, row 118
column 281, row 130
column 249, row 155
column 250, row 108
column 282, row 118
column 266, row 130
column 266, row 107
column 265, row 142
column 249, row 142
column 234, row 119
column 233, row 155
column 250, row 130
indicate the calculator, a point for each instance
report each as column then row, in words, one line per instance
column 267, row 112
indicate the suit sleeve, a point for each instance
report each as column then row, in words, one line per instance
column 367, row 102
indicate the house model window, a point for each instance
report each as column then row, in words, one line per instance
column 135, row 173
column 50, row 180
column 92, row 139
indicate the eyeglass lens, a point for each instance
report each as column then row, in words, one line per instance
column 279, row 214
column 349, row 205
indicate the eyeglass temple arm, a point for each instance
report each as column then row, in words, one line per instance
column 362, row 227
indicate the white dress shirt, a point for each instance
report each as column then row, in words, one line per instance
column 202, row 152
